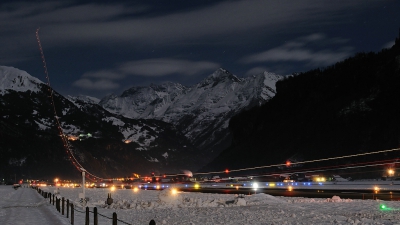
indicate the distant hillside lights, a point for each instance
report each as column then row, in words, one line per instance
column 80, row 137
column 72, row 138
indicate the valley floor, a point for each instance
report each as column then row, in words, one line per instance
column 26, row 206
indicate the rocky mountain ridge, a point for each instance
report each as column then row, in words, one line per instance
column 202, row 111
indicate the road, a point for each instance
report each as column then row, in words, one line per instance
column 26, row 206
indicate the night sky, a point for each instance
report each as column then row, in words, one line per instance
column 100, row 47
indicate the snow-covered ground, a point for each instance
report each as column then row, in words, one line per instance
column 25, row 206
column 165, row 207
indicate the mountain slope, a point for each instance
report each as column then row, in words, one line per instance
column 104, row 143
column 202, row 111
column 348, row 108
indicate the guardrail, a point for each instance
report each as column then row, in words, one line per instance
column 60, row 204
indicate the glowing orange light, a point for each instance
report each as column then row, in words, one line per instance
column 288, row 163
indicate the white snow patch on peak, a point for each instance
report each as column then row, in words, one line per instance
column 18, row 80
column 271, row 79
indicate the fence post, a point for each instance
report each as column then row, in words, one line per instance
column 87, row 216
column 53, row 199
column 67, row 207
column 72, row 214
column 62, row 206
column 49, row 196
column 95, row 219
column 114, row 222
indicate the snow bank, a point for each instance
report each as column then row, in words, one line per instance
column 166, row 207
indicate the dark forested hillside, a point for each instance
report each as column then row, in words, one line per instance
column 347, row 108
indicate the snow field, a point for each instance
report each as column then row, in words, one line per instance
column 203, row 208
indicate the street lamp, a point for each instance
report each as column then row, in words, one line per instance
column 390, row 172
column 82, row 195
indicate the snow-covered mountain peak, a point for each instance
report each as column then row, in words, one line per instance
column 221, row 75
column 168, row 87
column 18, row 80
column 202, row 111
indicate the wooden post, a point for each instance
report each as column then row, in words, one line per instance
column 53, row 199
column 87, row 216
column 72, row 214
column 95, row 219
column 67, row 208
column 49, row 196
column 62, row 206
column 114, row 222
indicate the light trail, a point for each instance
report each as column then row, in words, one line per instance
column 326, row 168
column 296, row 163
column 65, row 141
column 322, row 170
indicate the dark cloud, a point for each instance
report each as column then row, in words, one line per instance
column 388, row 45
column 102, row 84
column 102, row 79
column 104, row 74
column 256, row 70
column 65, row 22
column 301, row 50
column 164, row 66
